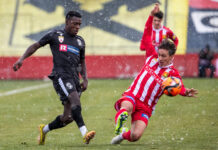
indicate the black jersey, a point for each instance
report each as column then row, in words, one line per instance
column 67, row 51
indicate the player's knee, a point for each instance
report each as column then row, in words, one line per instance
column 128, row 106
column 66, row 119
column 129, row 110
column 75, row 108
column 69, row 120
column 74, row 99
column 135, row 137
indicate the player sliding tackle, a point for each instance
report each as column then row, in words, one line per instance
column 139, row 100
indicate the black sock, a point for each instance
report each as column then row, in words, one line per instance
column 77, row 116
column 57, row 123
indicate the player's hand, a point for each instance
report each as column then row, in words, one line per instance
column 191, row 92
column 155, row 9
column 84, row 85
column 17, row 65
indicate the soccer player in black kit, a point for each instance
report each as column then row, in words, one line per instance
column 68, row 50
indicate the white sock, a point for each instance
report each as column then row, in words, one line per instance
column 46, row 129
column 83, row 130
column 121, row 136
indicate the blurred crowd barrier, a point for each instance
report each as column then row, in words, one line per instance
column 105, row 66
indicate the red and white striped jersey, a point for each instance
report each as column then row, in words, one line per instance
column 146, row 87
column 158, row 35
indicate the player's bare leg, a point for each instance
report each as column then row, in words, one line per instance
column 120, row 119
column 132, row 135
column 137, row 130
column 122, row 115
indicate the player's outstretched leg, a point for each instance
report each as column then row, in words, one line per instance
column 89, row 135
column 77, row 116
column 44, row 129
column 41, row 138
column 120, row 119
column 119, row 138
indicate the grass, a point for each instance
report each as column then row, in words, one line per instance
column 178, row 123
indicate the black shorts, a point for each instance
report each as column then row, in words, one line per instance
column 64, row 86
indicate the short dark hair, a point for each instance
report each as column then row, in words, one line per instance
column 159, row 15
column 71, row 14
column 168, row 45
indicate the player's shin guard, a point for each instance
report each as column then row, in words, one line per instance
column 77, row 116
column 118, row 114
column 57, row 123
column 120, row 119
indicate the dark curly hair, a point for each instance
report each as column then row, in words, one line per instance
column 169, row 46
column 159, row 15
column 71, row 14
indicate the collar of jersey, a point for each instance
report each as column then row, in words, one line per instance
column 157, row 30
column 69, row 33
column 168, row 66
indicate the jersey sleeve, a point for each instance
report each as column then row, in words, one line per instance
column 82, row 48
column 173, row 37
column 46, row 39
column 147, row 25
column 146, row 42
column 175, row 73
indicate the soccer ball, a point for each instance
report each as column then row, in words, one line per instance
column 171, row 86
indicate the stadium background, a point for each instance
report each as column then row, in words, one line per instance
column 112, row 30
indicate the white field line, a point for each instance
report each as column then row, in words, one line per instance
column 30, row 88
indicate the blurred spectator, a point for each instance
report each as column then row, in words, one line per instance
column 205, row 59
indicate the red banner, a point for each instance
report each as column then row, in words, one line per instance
column 97, row 66
column 204, row 4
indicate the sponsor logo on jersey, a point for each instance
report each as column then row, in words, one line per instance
column 165, row 74
column 60, row 38
column 63, row 47
column 69, row 85
column 79, row 42
column 153, row 62
column 151, row 72
column 69, row 48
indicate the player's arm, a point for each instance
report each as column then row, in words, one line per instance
column 191, row 92
column 173, row 37
column 83, row 73
column 30, row 50
column 188, row 92
column 185, row 91
column 146, row 33
column 146, row 43
column 148, row 28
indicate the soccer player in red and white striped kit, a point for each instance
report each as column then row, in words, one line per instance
column 159, row 32
column 140, row 98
